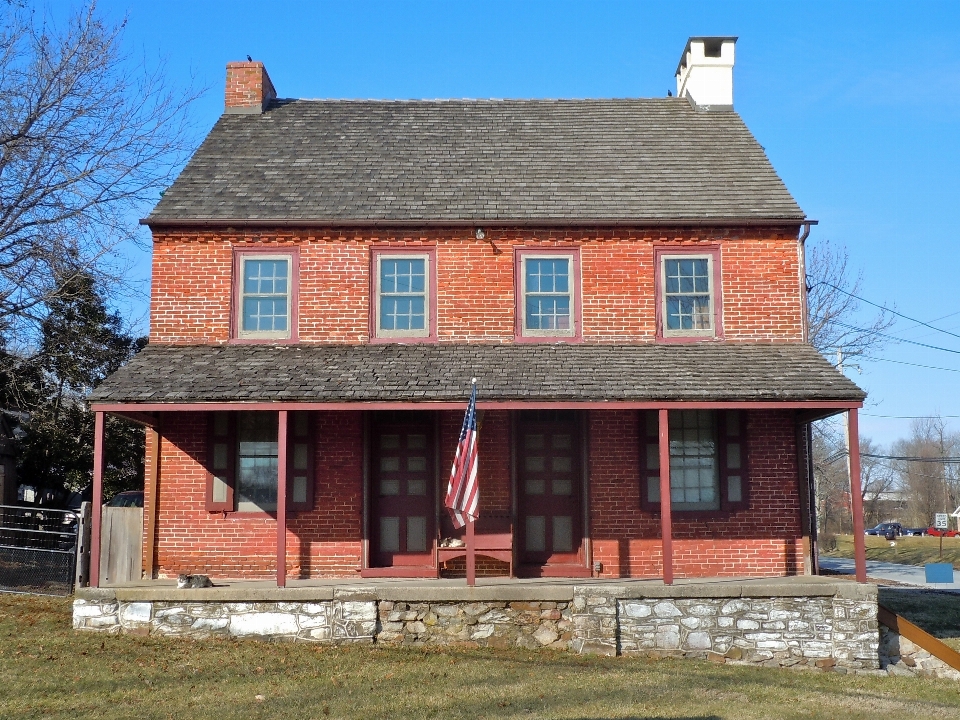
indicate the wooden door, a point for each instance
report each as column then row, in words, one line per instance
column 549, row 490
column 403, row 518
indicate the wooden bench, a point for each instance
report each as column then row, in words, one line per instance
column 493, row 537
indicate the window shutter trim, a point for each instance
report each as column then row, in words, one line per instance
column 228, row 472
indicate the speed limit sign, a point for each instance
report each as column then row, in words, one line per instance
column 940, row 521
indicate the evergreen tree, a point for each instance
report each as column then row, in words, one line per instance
column 81, row 343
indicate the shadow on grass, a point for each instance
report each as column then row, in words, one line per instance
column 935, row 611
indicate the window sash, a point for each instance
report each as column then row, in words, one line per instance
column 727, row 463
column 687, row 299
column 694, row 460
column 551, row 302
column 411, row 298
column 262, row 293
column 243, row 468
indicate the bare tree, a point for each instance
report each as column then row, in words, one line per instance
column 932, row 481
column 88, row 139
column 833, row 309
column 879, row 489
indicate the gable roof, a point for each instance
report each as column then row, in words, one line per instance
column 507, row 372
column 479, row 161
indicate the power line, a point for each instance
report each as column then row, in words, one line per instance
column 911, row 417
column 914, row 458
column 886, row 309
column 891, row 337
column 901, row 362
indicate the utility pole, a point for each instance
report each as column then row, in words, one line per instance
column 846, row 434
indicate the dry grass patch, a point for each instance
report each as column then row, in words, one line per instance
column 906, row 550
column 51, row 671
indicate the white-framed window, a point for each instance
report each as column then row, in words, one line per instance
column 694, row 460
column 708, row 461
column 688, row 295
column 548, row 294
column 403, row 295
column 265, row 293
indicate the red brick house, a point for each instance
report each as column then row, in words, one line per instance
column 624, row 278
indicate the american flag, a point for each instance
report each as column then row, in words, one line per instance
column 462, row 493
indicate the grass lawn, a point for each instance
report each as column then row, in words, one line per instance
column 907, row 550
column 936, row 612
column 48, row 670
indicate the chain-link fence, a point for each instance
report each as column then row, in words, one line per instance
column 38, row 550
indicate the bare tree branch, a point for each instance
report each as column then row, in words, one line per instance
column 832, row 308
column 88, row 139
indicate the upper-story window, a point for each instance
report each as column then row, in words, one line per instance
column 688, row 304
column 265, row 288
column 548, row 296
column 403, row 294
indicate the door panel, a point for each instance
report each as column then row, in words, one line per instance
column 550, row 489
column 403, row 495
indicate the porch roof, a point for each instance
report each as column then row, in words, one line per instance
column 372, row 373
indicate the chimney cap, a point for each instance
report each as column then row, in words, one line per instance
column 704, row 39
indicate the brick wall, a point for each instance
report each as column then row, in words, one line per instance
column 324, row 542
column 762, row 540
column 327, row 542
column 191, row 300
column 248, row 86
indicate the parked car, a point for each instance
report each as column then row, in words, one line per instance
column 917, row 532
column 945, row 533
column 887, row 530
column 127, row 498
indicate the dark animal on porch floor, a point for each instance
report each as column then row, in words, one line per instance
column 193, row 581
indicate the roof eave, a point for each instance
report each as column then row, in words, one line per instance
column 160, row 223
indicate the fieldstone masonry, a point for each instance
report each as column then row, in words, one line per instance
column 826, row 627
column 528, row 625
column 771, row 631
column 334, row 621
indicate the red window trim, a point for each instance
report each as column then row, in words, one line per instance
column 431, row 252
column 238, row 254
column 727, row 508
column 229, row 506
column 519, row 254
column 713, row 251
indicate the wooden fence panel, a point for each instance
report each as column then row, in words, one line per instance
column 121, row 544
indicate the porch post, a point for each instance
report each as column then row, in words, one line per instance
column 471, row 552
column 856, row 499
column 282, row 499
column 96, row 511
column 666, row 529
column 151, row 500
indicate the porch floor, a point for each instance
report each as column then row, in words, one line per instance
column 487, row 589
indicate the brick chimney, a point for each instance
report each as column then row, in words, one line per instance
column 249, row 89
column 705, row 73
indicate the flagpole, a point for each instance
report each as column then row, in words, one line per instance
column 471, row 540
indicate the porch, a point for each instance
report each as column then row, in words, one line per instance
column 585, row 472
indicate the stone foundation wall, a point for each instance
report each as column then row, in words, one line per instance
column 836, row 631
column 899, row 656
column 327, row 621
column 528, row 625
column 770, row 631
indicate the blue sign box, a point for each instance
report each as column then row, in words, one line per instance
column 939, row 572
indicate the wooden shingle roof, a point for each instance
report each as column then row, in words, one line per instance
column 507, row 372
column 483, row 161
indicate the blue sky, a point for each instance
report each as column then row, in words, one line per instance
column 856, row 103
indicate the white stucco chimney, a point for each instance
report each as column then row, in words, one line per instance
column 705, row 73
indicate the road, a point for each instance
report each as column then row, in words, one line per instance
column 906, row 574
